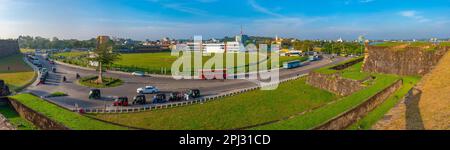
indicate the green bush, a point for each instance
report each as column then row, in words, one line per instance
column 107, row 82
column 57, row 94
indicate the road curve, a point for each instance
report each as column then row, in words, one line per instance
column 78, row 95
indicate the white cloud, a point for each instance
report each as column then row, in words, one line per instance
column 366, row 1
column 414, row 15
column 262, row 9
column 408, row 13
column 181, row 7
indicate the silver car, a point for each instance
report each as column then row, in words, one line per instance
column 138, row 73
column 147, row 90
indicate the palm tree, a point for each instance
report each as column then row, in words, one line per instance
column 105, row 56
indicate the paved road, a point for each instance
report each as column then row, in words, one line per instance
column 78, row 95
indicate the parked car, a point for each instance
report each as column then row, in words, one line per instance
column 36, row 61
column 147, row 90
column 138, row 73
column 193, row 93
column 121, row 101
column 159, row 98
column 95, row 94
column 176, row 96
column 139, row 100
column 44, row 70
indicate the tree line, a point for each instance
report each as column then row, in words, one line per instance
column 325, row 47
column 54, row 43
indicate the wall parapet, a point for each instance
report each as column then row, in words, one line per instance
column 334, row 83
column 347, row 64
column 351, row 116
column 38, row 119
column 408, row 61
column 9, row 47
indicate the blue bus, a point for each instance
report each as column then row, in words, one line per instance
column 292, row 64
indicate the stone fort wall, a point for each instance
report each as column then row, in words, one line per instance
column 416, row 61
column 8, row 47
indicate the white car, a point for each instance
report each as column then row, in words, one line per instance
column 148, row 90
column 138, row 73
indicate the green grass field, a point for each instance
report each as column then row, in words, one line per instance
column 70, row 119
column 377, row 114
column 15, row 119
column 239, row 111
column 155, row 63
column 58, row 94
column 27, row 50
column 353, row 72
column 18, row 74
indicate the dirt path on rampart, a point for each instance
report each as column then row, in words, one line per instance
column 428, row 107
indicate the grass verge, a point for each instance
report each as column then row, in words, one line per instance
column 70, row 119
column 57, row 94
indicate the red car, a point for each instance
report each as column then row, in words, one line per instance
column 121, row 101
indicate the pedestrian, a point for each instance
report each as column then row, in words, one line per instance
column 9, row 68
column 64, row 79
column 186, row 96
column 78, row 76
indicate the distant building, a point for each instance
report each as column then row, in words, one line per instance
column 223, row 47
column 278, row 40
column 340, row 40
column 214, row 48
column 233, row 47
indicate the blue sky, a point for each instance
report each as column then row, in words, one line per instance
column 154, row 19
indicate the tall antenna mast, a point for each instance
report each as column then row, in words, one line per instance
column 242, row 32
